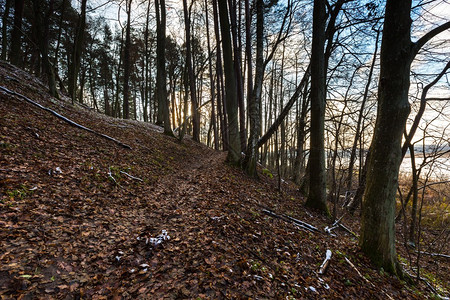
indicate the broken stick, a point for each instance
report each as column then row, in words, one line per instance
column 326, row 262
column 357, row 271
column 288, row 219
column 131, row 176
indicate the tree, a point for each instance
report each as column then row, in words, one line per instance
column 221, row 105
column 211, row 80
column 317, row 175
column 77, row 52
column 234, row 151
column 5, row 29
column 377, row 238
column 161, row 87
column 41, row 24
column 192, row 85
column 15, row 55
column 147, row 62
column 126, row 63
column 238, row 71
column 254, row 102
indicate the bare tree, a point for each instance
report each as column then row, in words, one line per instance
column 317, row 175
column 234, row 151
column 377, row 238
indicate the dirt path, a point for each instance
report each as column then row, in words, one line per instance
column 75, row 226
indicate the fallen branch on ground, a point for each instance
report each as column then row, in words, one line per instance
column 427, row 283
column 357, row 271
column 326, row 262
column 348, row 230
column 365, row 279
column 288, row 219
column 110, row 176
column 298, row 222
column 63, row 118
column 434, row 254
column 131, row 176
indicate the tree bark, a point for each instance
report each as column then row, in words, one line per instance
column 211, row 80
column 192, row 86
column 377, row 238
column 317, row 190
column 5, row 29
column 41, row 24
column 234, row 151
column 254, row 103
column 221, row 106
column 238, row 73
column 161, row 87
column 15, row 54
column 74, row 66
column 126, row 64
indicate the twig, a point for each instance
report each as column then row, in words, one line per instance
column 348, row 230
column 289, row 220
column 64, row 118
column 434, row 254
column 365, row 279
column 326, row 262
column 328, row 230
column 110, row 176
column 131, row 176
column 298, row 222
column 357, row 271
column 427, row 283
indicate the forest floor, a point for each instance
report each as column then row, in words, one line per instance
column 82, row 217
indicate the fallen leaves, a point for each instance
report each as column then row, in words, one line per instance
column 193, row 228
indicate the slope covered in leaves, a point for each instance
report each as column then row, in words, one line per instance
column 83, row 217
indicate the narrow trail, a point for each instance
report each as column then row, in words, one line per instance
column 74, row 226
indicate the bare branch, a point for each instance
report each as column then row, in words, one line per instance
column 428, row 36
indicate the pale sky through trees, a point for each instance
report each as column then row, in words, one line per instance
column 424, row 69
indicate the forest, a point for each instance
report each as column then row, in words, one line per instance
column 345, row 101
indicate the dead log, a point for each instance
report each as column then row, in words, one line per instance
column 63, row 118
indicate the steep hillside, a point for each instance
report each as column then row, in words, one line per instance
column 83, row 217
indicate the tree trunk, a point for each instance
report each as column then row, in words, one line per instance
column 317, row 191
column 192, row 86
column 254, row 102
column 161, row 87
column 74, row 66
column 211, row 80
column 15, row 55
column 146, row 63
column 60, row 26
column 377, row 238
column 377, row 231
column 238, row 73
column 41, row 24
column 126, row 64
column 301, row 134
column 5, row 29
column 234, row 151
column 221, row 107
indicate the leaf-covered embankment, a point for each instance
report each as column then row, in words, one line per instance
column 83, row 217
